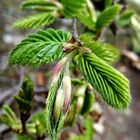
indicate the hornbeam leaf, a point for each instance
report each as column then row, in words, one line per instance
column 34, row 21
column 72, row 7
column 106, row 52
column 107, row 16
column 42, row 47
column 89, row 18
column 112, row 85
column 125, row 18
column 40, row 5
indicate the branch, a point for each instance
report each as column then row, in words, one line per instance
column 74, row 30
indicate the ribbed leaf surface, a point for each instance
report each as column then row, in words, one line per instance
column 112, row 85
column 106, row 52
column 107, row 16
column 39, row 5
column 45, row 46
column 72, row 7
column 34, row 21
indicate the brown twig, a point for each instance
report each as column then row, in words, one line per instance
column 75, row 36
column 74, row 30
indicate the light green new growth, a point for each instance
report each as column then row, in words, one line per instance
column 106, row 52
column 112, row 85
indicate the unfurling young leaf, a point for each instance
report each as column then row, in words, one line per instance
column 106, row 52
column 25, row 98
column 57, row 103
column 107, row 16
column 45, row 46
column 112, row 85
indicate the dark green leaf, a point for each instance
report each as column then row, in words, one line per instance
column 40, row 48
column 88, row 102
column 112, row 85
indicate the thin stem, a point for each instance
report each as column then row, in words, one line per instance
column 23, row 121
column 74, row 30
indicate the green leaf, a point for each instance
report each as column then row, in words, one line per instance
column 10, row 119
column 106, row 52
column 34, row 21
column 89, row 18
column 23, row 137
column 42, row 47
column 88, row 103
column 112, row 85
column 108, row 3
column 88, row 130
column 25, row 98
column 107, row 16
column 125, row 18
column 39, row 119
column 72, row 7
column 27, row 88
column 42, row 5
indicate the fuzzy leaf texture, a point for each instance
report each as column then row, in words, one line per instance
column 40, row 5
column 107, row 16
column 42, row 47
column 106, row 52
column 108, row 82
column 34, row 21
column 72, row 7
